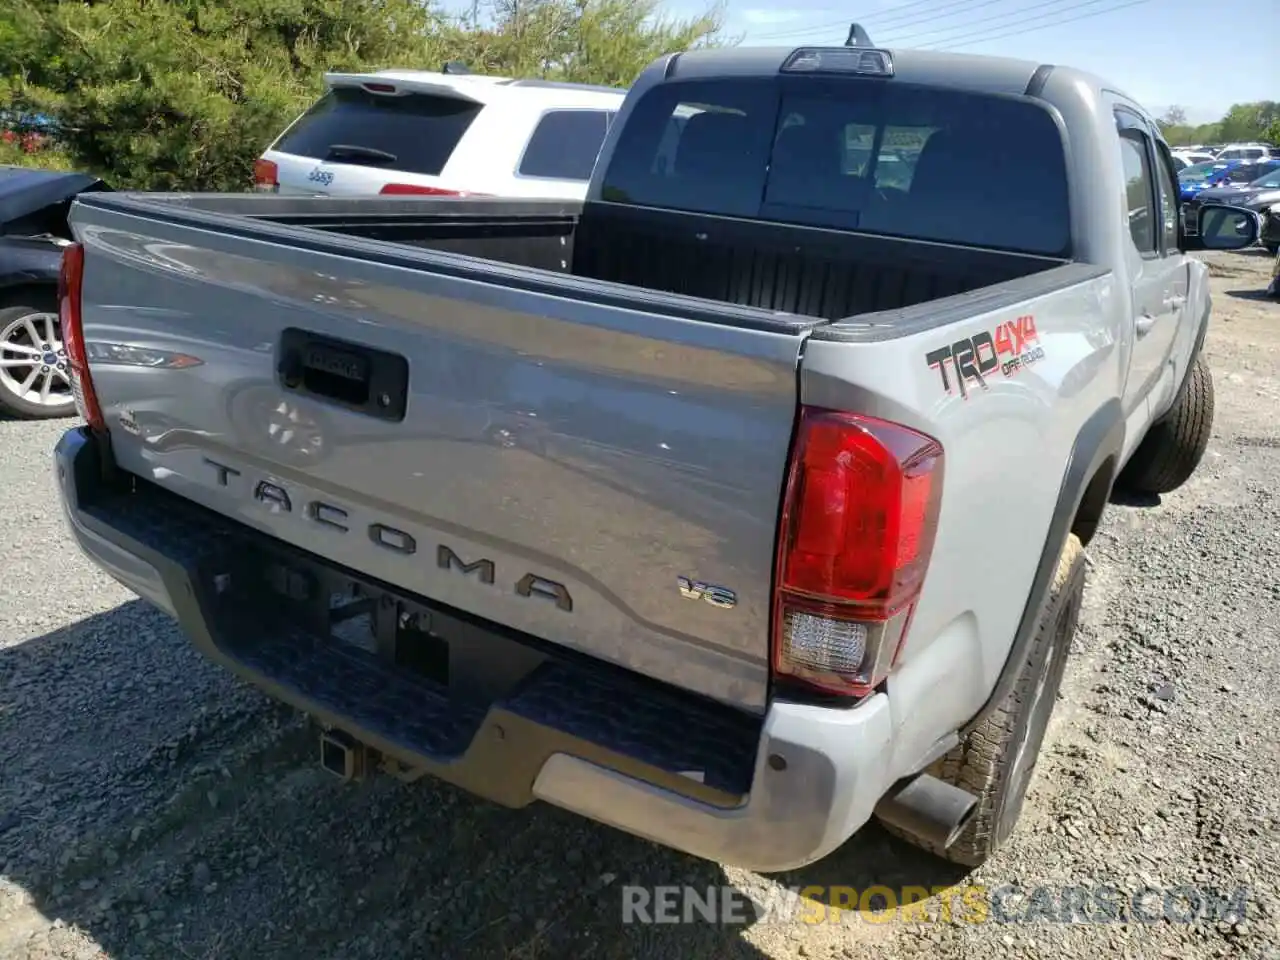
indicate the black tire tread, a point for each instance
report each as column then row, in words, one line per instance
column 1174, row 446
column 982, row 761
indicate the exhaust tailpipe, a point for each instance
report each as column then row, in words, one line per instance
column 928, row 808
column 342, row 755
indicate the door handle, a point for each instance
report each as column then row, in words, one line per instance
column 1175, row 302
column 1144, row 324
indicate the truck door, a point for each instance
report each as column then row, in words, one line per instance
column 1159, row 288
column 1186, row 321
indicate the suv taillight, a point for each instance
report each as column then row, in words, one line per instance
column 410, row 189
column 858, row 524
column 266, row 176
column 70, row 281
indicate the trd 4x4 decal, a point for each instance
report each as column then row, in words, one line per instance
column 1007, row 349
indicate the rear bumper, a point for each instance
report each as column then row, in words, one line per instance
column 768, row 795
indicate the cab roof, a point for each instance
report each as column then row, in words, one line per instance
column 964, row 71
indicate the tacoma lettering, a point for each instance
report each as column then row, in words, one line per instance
column 446, row 558
column 335, row 518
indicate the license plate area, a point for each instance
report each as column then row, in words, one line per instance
column 366, row 619
column 359, row 378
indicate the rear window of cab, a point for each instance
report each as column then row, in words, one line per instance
column 878, row 157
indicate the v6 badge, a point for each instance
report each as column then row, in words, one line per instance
column 697, row 590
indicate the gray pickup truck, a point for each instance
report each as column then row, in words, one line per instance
column 732, row 507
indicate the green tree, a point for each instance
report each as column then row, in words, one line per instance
column 184, row 94
column 584, row 41
column 1249, row 121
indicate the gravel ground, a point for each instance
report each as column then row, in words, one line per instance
column 152, row 807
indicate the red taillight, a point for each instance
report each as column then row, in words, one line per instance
column 266, row 176
column 858, row 525
column 70, row 280
column 406, row 189
column 380, row 87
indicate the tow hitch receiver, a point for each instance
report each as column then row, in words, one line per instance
column 342, row 755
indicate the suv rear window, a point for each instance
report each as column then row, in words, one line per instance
column 895, row 159
column 420, row 131
column 565, row 144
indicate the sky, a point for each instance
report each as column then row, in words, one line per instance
column 1148, row 48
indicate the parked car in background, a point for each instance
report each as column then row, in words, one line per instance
column 33, row 231
column 1245, row 151
column 1201, row 176
column 418, row 132
column 30, row 131
column 1236, row 187
column 1186, row 158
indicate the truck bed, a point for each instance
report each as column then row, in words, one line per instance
column 804, row 271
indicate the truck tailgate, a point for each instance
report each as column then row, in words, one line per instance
column 568, row 468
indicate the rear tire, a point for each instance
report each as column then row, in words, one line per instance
column 1174, row 446
column 996, row 760
column 30, row 332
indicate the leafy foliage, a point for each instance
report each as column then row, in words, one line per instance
column 1243, row 122
column 184, row 94
column 1272, row 133
column 15, row 154
column 584, row 41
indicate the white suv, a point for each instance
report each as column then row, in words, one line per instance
column 1246, row 151
column 416, row 132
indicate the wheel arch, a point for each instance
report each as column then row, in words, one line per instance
column 29, row 293
column 1093, row 502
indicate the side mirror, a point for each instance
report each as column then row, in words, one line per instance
column 1228, row 228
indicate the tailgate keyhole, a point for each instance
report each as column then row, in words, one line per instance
column 290, row 370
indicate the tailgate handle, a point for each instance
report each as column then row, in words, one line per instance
column 360, row 378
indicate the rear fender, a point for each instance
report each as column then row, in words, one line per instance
column 1090, row 475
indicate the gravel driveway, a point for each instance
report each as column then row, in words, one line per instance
column 152, row 807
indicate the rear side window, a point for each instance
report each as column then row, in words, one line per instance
column 1138, row 189
column 896, row 159
column 412, row 134
column 565, row 144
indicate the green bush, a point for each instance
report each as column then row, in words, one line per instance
column 48, row 158
column 184, row 94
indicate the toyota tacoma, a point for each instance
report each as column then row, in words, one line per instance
column 734, row 506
